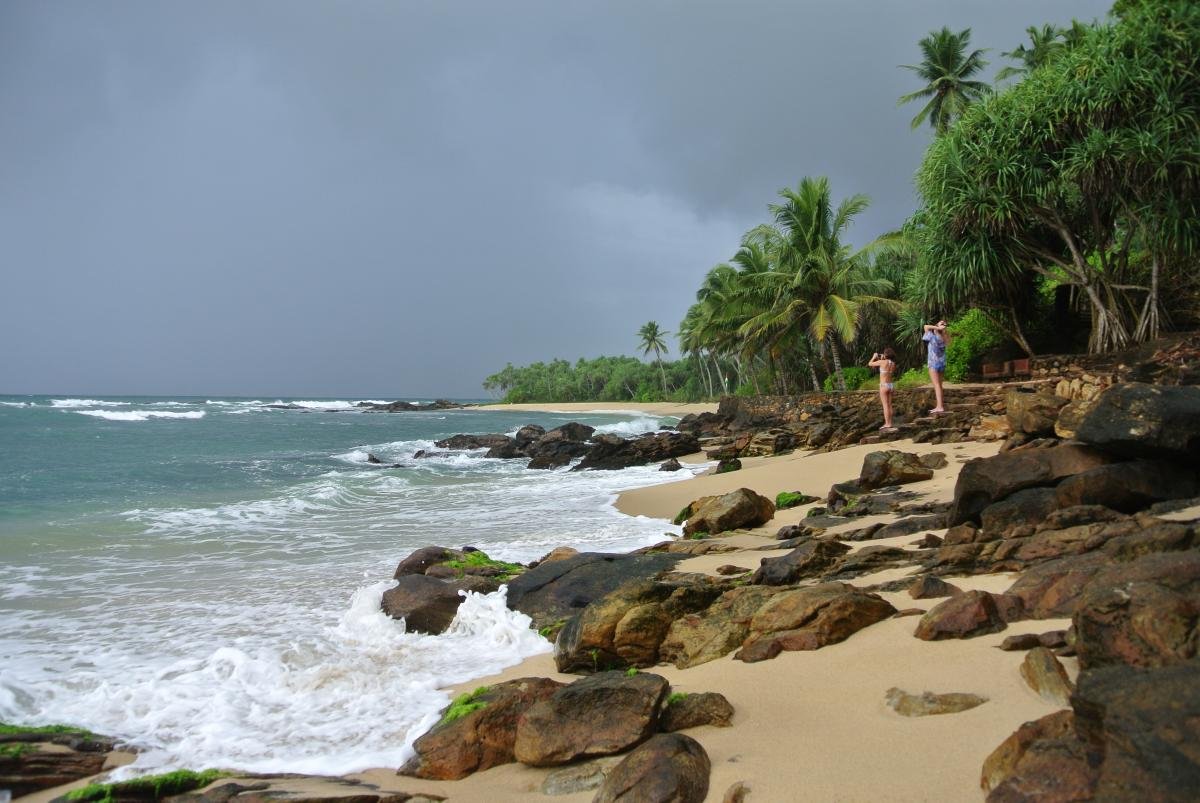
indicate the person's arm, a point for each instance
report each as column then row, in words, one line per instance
column 876, row 361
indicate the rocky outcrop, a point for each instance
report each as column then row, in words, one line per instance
column 698, row 638
column 1140, row 420
column 554, row 591
column 611, row 452
column 481, row 738
column 740, row 508
column 810, row 559
column 473, row 441
column 1041, row 760
column 599, row 715
column 34, row 760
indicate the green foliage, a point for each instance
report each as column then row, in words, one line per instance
column 155, row 787
column 855, row 377
column 15, row 749
column 946, row 67
column 631, row 671
column 683, row 515
column 8, row 729
column 698, row 535
column 675, row 697
column 971, row 336
column 816, row 511
column 600, row 379
column 479, row 559
column 787, row 499
column 462, row 705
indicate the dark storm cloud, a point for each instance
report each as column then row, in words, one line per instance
column 393, row 199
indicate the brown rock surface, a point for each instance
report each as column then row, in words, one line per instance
column 892, row 467
column 1046, row 676
column 668, row 768
column 929, row 704
column 972, row 613
column 1004, row 759
column 740, row 508
column 1032, row 413
column 693, row 710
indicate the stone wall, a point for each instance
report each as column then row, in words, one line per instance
column 1080, row 376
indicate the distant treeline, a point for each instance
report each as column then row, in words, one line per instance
column 602, row 379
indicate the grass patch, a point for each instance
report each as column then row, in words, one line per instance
column 698, row 535
column 786, row 499
column 462, row 705
column 683, row 515
column 550, row 631
column 675, row 697
column 631, row 671
column 14, row 749
column 480, row 560
column 8, row 730
column 157, row 786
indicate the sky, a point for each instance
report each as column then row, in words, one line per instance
column 347, row 198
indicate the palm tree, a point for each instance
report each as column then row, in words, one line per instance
column 651, row 338
column 946, row 69
column 1045, row 44
column 821, row 285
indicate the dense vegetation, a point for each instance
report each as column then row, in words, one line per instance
column 1060, row 210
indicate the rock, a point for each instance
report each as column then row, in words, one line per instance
column 527, row 435
column 870, row 559
column 934, row 460
column 729, row 569
column 670, row 465
column 727, row 465
column 1002, row 761
column 578, row 777
column 573, row 431
column 1024, row 641
column 558, row 553
column 1145, row 723
column 1025, row 507
column 929, row 541
column 480, row 739
column 611, row 452
column 1129, row 487
column 929, row 704
column 555, row 591
column 696, row 639
column 473, row 441
column 668, row 768
column 789, row 499
column 808, row 560
column 1076, row 515
column 428, row 605
column 910, row 525
column 990, row 428
column 1138, row 420
column 972, row 613
column 1032, row 413
column 811, row 618
column 1052, row 639
column 36, row 761
column 420, row 560
column 601, row 714
column 626, row 626
column 965, row 533
column 1046, row 676
column 740, row 508
column 736, row 793
column 1137, row 623
column 506, row 451
column 1071, row 416
column 693, row 710
column 892, row 468
column 986, row 480
column 929, row 587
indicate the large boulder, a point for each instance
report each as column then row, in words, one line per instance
column 599, row 715
column 1137, row 623
column 1003, row 762
column 811, row 618
column 669, row 768
column 481, row 738
column 986, row 480
column 1139, row 420
column 1129, row 487
column 694, row 710
column 1032, row 413
column 1026, row 507
column 626, row 627
column 972, row 613
column 427, row 604
column 810, row 559
column 554, row 591
column 1145, row 726
column 892, row 467
column 612, row 452
column 697, row 638
column 740, row 508
column 472, row 441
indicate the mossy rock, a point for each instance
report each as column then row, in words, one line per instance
column 478, row 562
column 787, row 499
column 464, row 704
column 149, row 788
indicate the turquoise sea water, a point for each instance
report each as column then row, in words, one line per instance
column 202, row 576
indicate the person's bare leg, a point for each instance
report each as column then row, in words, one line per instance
column 936, row 378
column 886, row 395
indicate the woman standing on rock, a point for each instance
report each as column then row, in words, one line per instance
column 886, row 363
column 938, row 338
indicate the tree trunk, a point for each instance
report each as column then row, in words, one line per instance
column 1148, row 321
column 837, row 363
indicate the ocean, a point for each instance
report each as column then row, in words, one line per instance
column 201, row 577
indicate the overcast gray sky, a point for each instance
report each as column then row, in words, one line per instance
column 393, row 199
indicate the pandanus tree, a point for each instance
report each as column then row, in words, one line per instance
column 652, row 338
column 1086, row 173
column 946, row 68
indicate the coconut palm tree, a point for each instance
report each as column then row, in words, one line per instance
column 821, row 285
column 946, row 69
column 1045, row 44
column 651, row 338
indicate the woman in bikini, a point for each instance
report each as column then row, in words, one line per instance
column 886, row 363
column 938, row 338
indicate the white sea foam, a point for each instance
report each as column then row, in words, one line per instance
column 86, row 403
column 639, row 425
column 352, row 696
column 16, row 404
column 320, row 405
column 138, row 415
